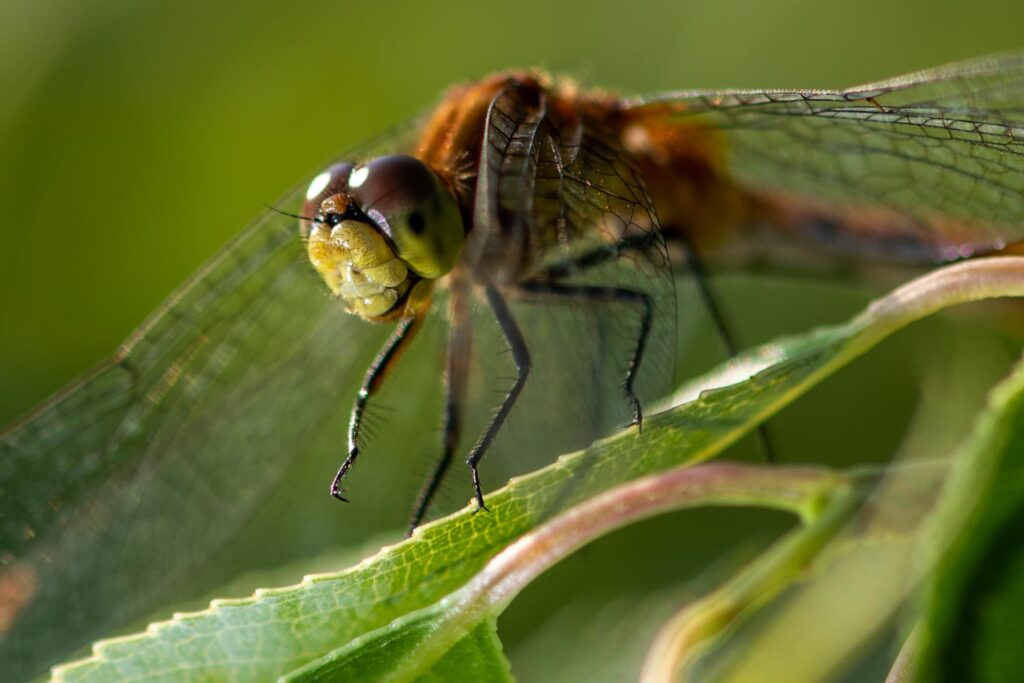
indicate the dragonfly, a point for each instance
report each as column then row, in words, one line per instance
column 523, row 212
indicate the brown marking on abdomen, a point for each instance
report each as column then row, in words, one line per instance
column 684, row 166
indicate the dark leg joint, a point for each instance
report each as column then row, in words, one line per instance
column 336, row 490
column 477, row 489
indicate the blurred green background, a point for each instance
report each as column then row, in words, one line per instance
column 138, row 137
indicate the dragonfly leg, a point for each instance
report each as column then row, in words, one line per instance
column 707, row 297
column 375, row 375
column 600, row 294
column 521, row 356
column 456, row 376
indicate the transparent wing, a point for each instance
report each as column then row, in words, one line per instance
column 934, row 159
column 121, row 488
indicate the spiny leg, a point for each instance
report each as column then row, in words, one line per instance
column 375, row 375
column 707, row 297
column 521, row 356
column 602, row 294
column 456, row 378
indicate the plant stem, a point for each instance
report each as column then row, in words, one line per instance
column 696, row 624
column 799, row 490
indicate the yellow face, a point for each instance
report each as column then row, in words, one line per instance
column 380, row 233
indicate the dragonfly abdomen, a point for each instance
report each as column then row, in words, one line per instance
column 700, row 195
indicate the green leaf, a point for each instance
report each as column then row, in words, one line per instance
column 396, row 653
column 973, row 619
column 280, row 630
column 406, row 648
column 477, row 657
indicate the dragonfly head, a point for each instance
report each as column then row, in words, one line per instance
column 378, row 233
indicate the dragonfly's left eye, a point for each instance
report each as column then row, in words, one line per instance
column 414, row 209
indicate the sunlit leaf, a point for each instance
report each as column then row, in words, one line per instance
column 280, row 630
column 973, row 625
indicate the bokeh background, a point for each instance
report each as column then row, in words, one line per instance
column 137, row 137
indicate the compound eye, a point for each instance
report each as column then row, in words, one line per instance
column 413, row 207
column 333, row 181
